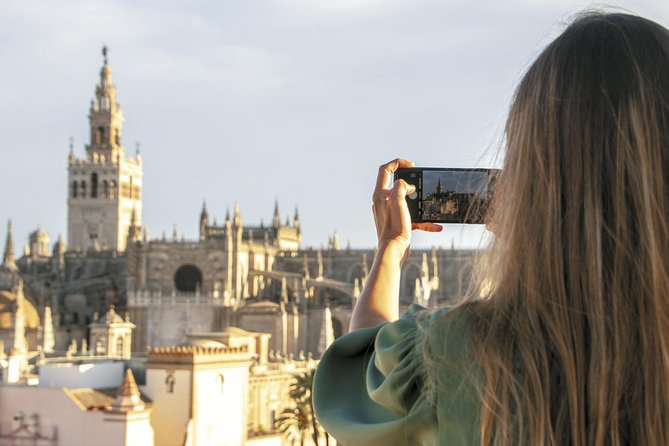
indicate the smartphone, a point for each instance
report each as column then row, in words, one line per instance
column 448, row 195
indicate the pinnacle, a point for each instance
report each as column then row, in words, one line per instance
column 129, row 386
column 8, row 259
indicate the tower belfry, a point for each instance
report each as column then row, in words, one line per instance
column 105, row 116
column 105, row 187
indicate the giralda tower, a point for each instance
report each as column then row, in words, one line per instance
column 105, row 187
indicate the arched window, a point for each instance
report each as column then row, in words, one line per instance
column 82, row 189
column 169, row 382
column 100, row 135
column 119, row 346
column 99, row 347
column 94, row 185
column 112, row 189
column 75, row 189
column 105, row 189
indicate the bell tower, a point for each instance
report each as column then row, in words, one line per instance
column 105, row 186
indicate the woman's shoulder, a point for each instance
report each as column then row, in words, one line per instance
column 446, row 329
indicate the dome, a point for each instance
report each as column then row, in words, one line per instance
column 7, row 305
column 39, row 232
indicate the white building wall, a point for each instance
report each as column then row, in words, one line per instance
column 75, row 427
column 136, row 429
column 76, row 376
column 171, row 411
column 221, row 397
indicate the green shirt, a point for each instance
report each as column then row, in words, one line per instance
column 373, row 387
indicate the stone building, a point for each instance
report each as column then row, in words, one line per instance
column 223, row 388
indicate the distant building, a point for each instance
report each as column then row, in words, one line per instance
column 223, row 388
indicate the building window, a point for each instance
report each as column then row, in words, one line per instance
column 99, row 347
column 105, row 189
column 100, row 135
column 220, row 380
column 112, row 189
column 119, row 346
column 169, row 383
column 117, row 137
column 75, row 188
column 94, row 185
column 82, row 189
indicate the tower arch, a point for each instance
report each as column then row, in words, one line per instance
column 94, row 185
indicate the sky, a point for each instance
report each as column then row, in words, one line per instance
column 454, row 181
column 298, row 101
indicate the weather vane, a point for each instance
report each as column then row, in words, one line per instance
column 105, row 50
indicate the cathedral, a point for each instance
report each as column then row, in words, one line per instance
column 257, row 277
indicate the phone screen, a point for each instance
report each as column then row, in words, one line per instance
column 448, row 195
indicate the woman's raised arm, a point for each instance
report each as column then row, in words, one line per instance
column 379, row 300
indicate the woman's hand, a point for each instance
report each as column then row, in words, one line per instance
column 379, row 300
column 391, row 213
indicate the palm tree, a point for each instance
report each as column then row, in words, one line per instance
column 295, row 421
column 301, row 417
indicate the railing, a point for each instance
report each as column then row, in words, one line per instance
column 140, row 298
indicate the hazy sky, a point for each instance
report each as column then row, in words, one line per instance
column 454, row 181
column 299, row 100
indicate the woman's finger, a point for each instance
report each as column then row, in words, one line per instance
column 400, row 190
column 386, row 172
column 428, row 227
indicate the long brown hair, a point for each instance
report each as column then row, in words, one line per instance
column 573, row 341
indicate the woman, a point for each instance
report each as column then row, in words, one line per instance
column 570, row 344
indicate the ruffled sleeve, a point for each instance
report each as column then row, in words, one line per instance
column 369, row 388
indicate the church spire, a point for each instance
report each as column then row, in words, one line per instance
column 276, row 219
column 204, row 221
column 8, row 259
column 296, row 220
